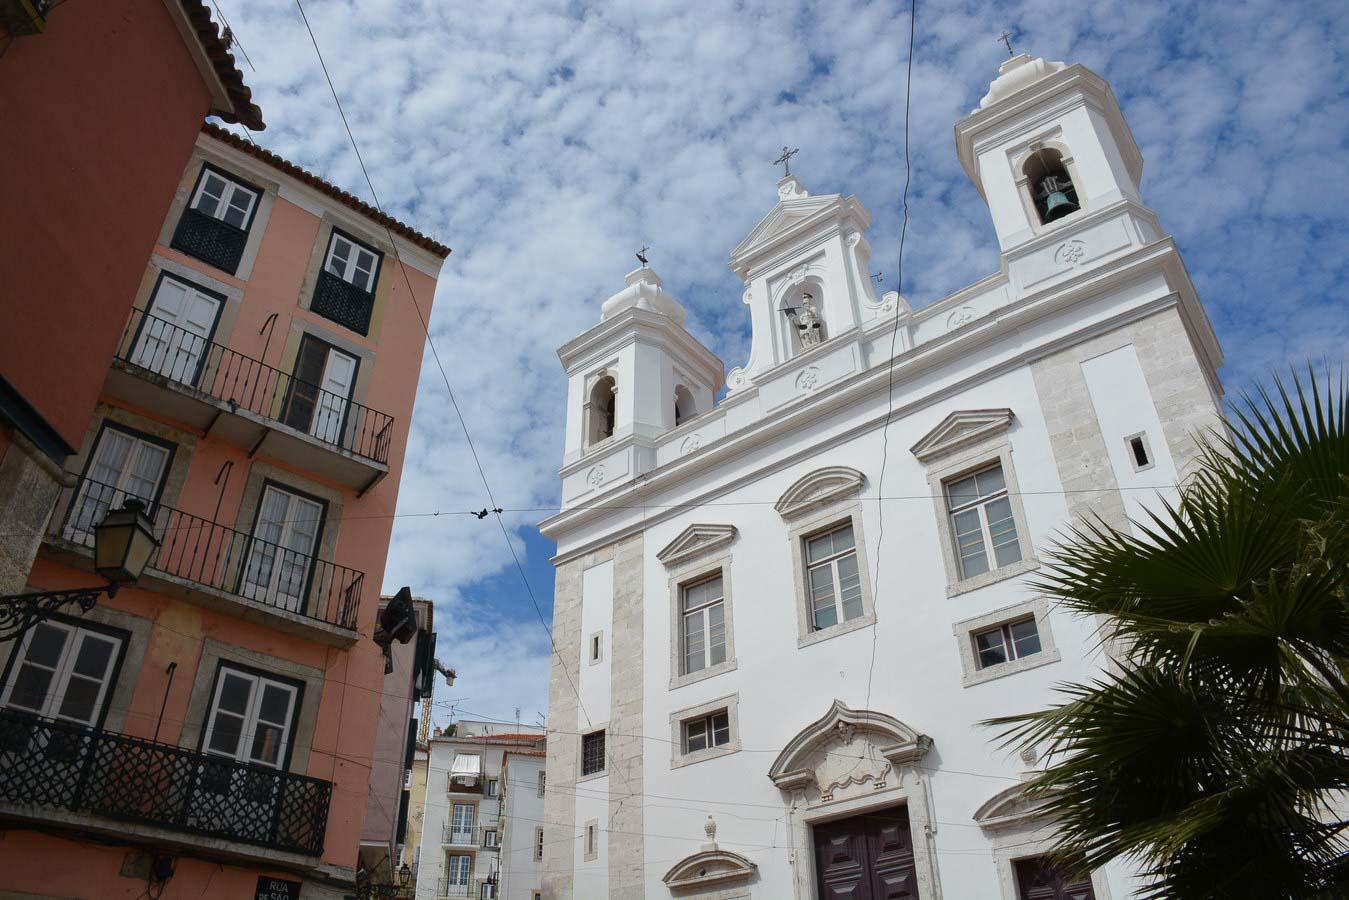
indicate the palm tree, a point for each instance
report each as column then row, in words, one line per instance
column 1213, row 752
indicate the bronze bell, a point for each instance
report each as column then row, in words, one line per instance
column 1054, row 193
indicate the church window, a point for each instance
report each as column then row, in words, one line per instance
column 1005, row 641
column 707, row 731
column 684, row 408
column 982, row 522
column 832, row 577
column 592, row 753
column 603, row 396
column 1140, row 453
column 704, row 624
column 1051, row 188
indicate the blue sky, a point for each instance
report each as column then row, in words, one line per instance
column 546, row 141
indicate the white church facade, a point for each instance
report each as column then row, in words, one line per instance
column 780, row 620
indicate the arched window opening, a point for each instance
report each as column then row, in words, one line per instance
column 684, row 408
column 602, row 400
column 1052, row 191
column 802, row 307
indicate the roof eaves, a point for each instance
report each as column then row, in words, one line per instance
column 242, row 110
column 325, row 187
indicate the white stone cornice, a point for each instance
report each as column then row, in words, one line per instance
column 799, row 764
column 624, row 327
column 709, row 867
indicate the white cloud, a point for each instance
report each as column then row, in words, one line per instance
column 545, row 142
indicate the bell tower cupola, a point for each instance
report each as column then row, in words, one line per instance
column 631, row 379
column 807, row 279
column 1049, row 147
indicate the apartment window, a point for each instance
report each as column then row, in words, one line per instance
column 1005, row 641
column 318, row 395
column 832, row 577
column 489, row 837
column 457, row 869
column 491, row 787
column 251, row 717
column 461, row 823
column 353, row 262
column 487, row 891
column 538, row 842
column 543, row 782
column 214, row 227
column 175, row 332
column 707, row 731
column 285, row 539
column 123, row 464
column 982, row 524
column 704, row 624
column 63, row 671
column 345, row 290
column 538, row 895
column 592, row 753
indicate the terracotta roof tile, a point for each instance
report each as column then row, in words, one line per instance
column 244, row 110
column 332, row 190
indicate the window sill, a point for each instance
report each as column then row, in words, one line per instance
column 965, row 585
column 593, row 776
column 690, row 759
column 833, row 631
column 679, row 681
column 992, row 673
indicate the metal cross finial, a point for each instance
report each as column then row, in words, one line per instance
column 641, row 255
column 785, row 160
column 1006, row 38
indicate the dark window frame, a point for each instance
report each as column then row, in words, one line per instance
column 167, row 444
column 247, row 227
column 220, row 666
column 114, row 675
column 253, row 535
column 310, row 337
column 149, row 306
column 590, row 738
column 364, row 245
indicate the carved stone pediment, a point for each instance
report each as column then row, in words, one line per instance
column 819, row 487
column 1008, row 807
column 847, row 748
column 781, row 218
column 695, row 541
column 709, row 867
column 960, row 429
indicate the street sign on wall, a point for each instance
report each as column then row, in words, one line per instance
column 277, row 889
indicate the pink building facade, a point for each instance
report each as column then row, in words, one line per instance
column 213, row 727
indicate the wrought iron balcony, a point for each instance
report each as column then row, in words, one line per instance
column 75, row 769
column 222, row 560
column 447, row 888
column 471, row 836
column 343, row 302
column 253, row 397
column 210, row 240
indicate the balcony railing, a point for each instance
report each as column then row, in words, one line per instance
column 343, row 302
column 447, row 888
column 216, row 556
column 210, row 240
column 170, row 351
column 72, row 768
column 471, row 836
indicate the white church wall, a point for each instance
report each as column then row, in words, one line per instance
column 597, row 619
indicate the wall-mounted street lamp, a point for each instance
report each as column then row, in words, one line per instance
column 123, row 544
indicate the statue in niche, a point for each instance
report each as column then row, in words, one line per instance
column 808, row 322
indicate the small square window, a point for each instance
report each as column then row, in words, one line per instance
column 707, row 731
column 592, row 753
column 543, row 782
column 1004, row 643
column 538, row 842
column 491, row 787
